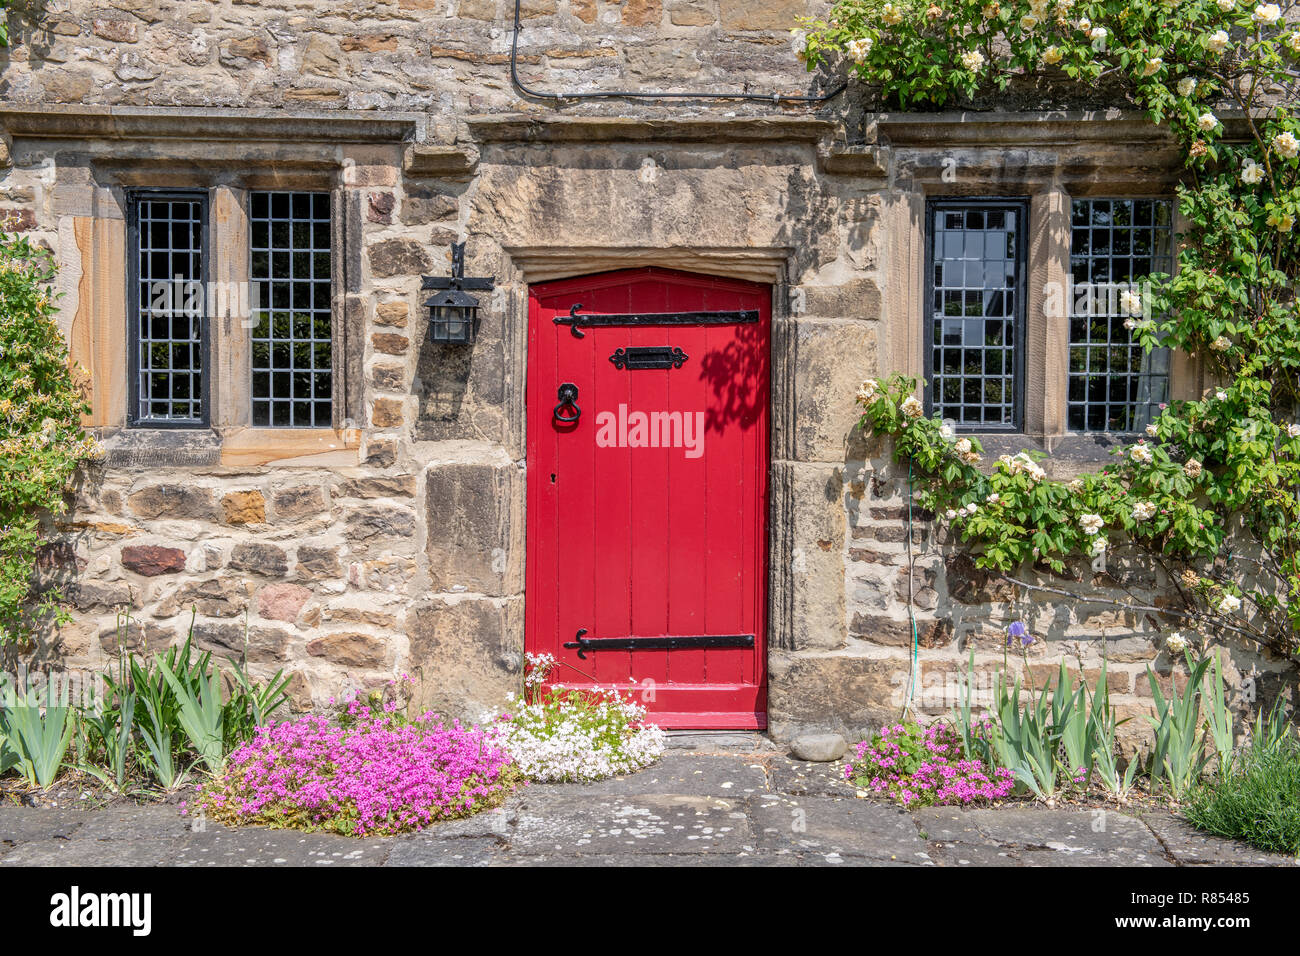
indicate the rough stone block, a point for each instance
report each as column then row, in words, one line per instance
column 832, row 359
column 318, row 563
column 300, row 501
column 260, row 558
column 218, row 597
column 761, row 14
column 853, row 696
column 374, row 522
column 350, row 649
column 466, row 653
column 474, row 511
column 244, row 507
column 282, row 602
column 811, row 522
column 398, row 257
column 174, row 501
column 152, row 560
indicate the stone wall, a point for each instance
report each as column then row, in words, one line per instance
column 394, row 543
column 444, row 57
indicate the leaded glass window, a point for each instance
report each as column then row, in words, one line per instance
column 292, row 336
column 974, row 339
column 169, row 306
column 1115, row 385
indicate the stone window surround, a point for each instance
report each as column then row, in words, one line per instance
column 98, row 154
column 1049, row 164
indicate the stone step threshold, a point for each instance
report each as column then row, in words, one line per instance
column 720, row 741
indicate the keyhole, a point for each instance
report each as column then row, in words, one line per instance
column 552, row 477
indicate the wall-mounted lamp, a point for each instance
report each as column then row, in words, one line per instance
column 453, row 314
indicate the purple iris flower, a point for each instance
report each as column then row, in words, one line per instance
column 1018, row 629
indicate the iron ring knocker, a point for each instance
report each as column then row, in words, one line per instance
column 568, row 395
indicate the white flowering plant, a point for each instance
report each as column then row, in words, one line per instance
column 572, row 735
column 41, row 438
column 1210, row 496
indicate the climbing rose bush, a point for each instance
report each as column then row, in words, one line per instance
column 379, row 774
column 559, row 734
column 41, row 439
column 924, row 766
column 1210, row 495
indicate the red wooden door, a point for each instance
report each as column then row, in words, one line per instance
column 647, row 515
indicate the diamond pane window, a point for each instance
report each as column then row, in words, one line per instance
column 293, row 370
column 169, row 325
column 976, row 314
column 1114, row 245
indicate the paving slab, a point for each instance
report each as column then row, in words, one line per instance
column 843, row 828
column 653, row 823
column 1075, row 837
column 32, row 824
column 721, row 775
column 217, row 845
column 1190, row 846
column 787, row 775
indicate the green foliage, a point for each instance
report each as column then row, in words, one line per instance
column 38, row 731
column 1213, row 492
column 1178, row 757
column 41, row 439
column 158, row 718
column 1258, row 801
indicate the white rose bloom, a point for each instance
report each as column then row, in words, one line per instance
column 1098, row 34
column 912, row 407
column 860, row 48
column 1144, row 511
column 1227, row 5
column 1099, row 545
column 1152, row 430
column 1052, row 55
column 1293, row 431
column 1193, row 468
column 1176, row 643
column 1206, row 122
column 1140, row 454
column 1221, row 395
column 1152, row 66
column 1229, row 603
column 1221, row 344
column 1131, row 303
column 947, row 432
column 1091, row 524
column 1028, row 22
column 1267, row 14
column 972, row 508
column 1287, row 145
column 950, row 514
column 1252, row 172
column 868, row 391
column 962, row 447
column 1217, row 42
column 993, row 498
column 1085, row 24
column 972, row 60
column 1186, row 86
column 1293, row 42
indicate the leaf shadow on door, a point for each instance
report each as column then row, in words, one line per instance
column 737, row 375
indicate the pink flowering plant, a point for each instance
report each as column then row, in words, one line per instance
column 375, row 772
column 924, row 766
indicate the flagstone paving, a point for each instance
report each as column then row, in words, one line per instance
column 755, row 808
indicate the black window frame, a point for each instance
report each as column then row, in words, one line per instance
column 1170, row 257
column 1020, row 204
column 133, row 199
column 256, row 281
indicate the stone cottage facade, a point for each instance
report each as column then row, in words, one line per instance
column 366, row 514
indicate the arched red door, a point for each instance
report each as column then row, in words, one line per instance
column 647, row 490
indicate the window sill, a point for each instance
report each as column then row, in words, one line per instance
column 306, row 447
column 237, row 447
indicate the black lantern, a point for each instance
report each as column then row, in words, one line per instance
column 453, row 313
